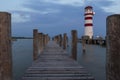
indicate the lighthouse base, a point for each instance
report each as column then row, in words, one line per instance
column 89, row 32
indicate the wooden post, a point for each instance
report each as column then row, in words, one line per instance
column 57, row 39
column 113, row 47
column 43, row 40
column 60, row 42
column 74, row 44
column 5, row 46
column 40, row 42
column 47, row 38
column 35, row 44
column 64, row 41
column 83, row 46
column 83, row 43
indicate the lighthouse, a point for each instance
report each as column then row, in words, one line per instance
column 89, row 21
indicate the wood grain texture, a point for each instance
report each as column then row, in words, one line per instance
column 113, row 47
column 35, row 44
column 5, row 46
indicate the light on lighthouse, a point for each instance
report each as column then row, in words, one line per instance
column 89, row 21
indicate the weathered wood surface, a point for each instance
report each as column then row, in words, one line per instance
column 55, row 64
column 5, row 46
column 35, row 44
column 113, row 47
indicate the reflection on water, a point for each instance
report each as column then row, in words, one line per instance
column 93, row 59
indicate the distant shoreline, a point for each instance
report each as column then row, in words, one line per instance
column 21, row 38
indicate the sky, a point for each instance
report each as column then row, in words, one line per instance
column 55, row 17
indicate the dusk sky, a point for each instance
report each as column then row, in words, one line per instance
column 57, row 16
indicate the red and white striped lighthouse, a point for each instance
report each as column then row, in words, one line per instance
column 89, row 21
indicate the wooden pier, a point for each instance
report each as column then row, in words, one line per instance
column 55, row 64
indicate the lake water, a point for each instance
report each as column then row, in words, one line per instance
column 22, row 57
column 93, row 60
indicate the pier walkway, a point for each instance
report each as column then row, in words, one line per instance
column 55, row 64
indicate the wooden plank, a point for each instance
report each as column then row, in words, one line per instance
column 56, row 72
column 55, row 64
column 56, row 75
column 56, row 78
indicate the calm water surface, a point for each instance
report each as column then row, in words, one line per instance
column 93, row 60
column 22, row 57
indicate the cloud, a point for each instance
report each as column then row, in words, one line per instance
column 49, row 11
column 113, row 8
column 20, row 12
column 109, row 6
column 19, row 5
column 20, row 18
column 75, row 3
column 11, row 5
column 21, row 9
column 45, row 11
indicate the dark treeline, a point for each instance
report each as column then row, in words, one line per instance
column 22, row 37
